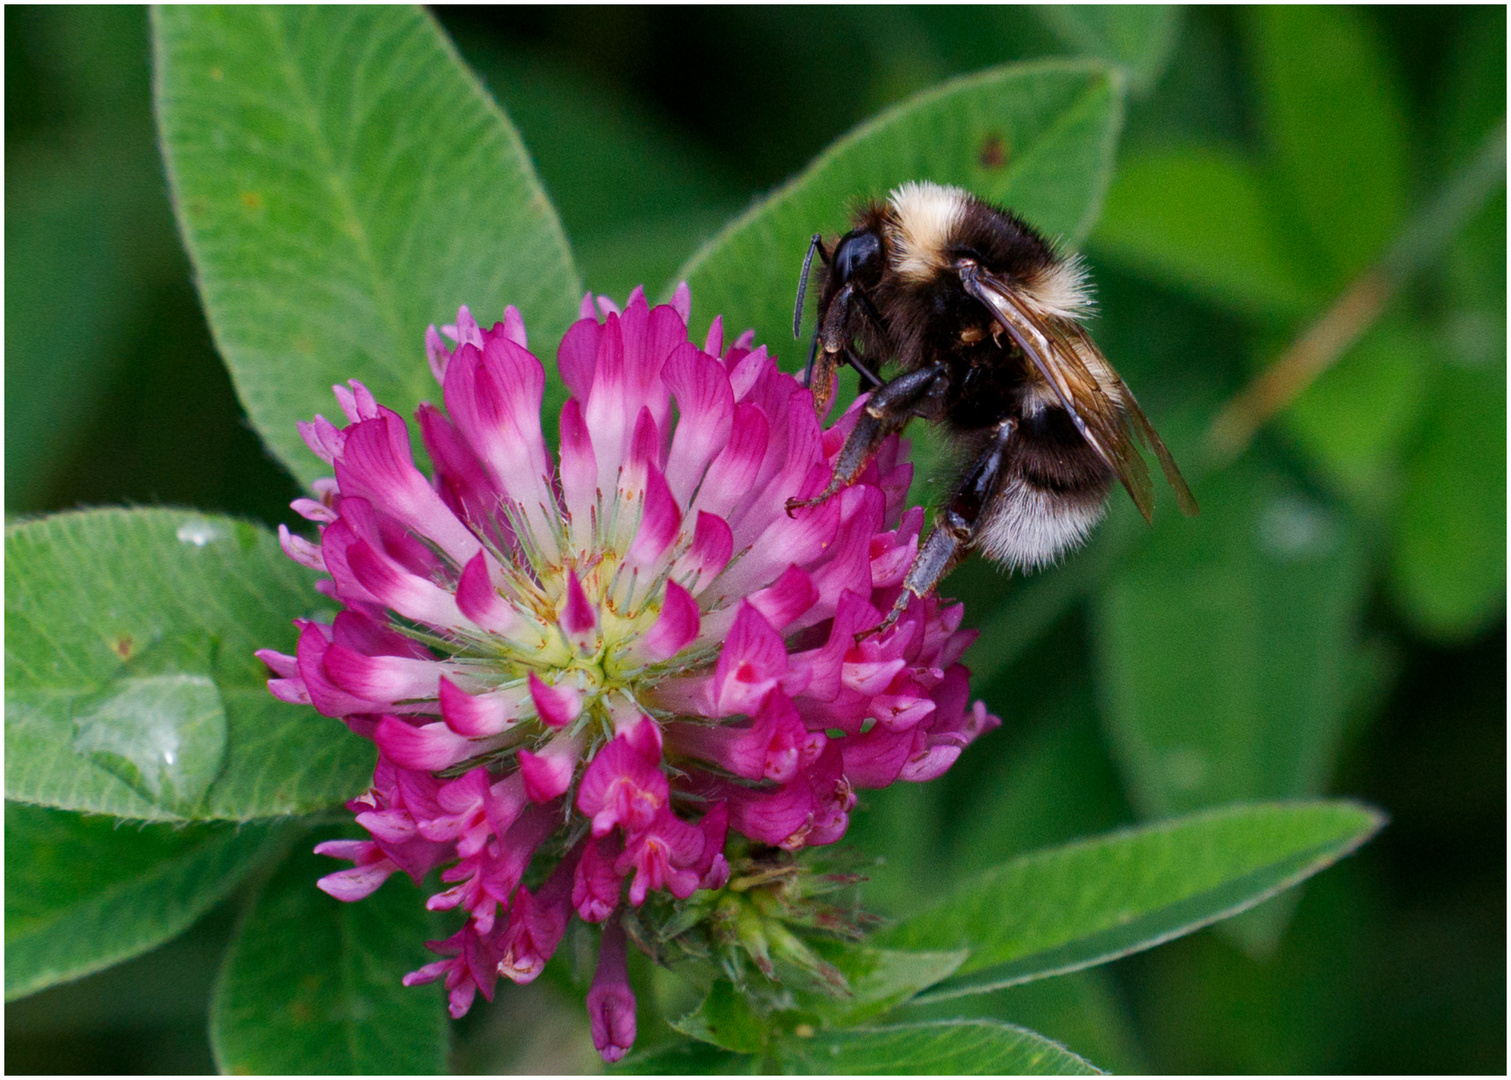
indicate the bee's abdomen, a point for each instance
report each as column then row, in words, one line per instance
column 1027, row 526
column 1054, row 491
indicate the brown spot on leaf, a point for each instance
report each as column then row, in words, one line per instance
column 993, row 152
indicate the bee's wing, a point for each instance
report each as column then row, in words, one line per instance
column 1101, row 405
column 1135, row 420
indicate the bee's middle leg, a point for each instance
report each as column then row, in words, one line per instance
column 955, row 526
column 888, row 411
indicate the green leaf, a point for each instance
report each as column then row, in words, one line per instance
column 1225, row 647
column 1448, row 567
column 725, row 1019
column 1070, row 907
column 1201, row 219
column 1036, row 137
column 959, row 1047
column 84, row 893
column 1139, row 38
column 879, row 980
column 312, row 984
column 342, row 182
column 1084, row 1009
column 130, row 684
column 1335, row 123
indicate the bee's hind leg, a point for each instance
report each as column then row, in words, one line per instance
column 955, row 526
column 888, row 410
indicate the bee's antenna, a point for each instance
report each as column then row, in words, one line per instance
column 812, row 356
column 802, row 285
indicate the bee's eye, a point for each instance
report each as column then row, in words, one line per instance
column 858, row 254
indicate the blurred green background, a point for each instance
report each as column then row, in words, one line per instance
column 651, row 128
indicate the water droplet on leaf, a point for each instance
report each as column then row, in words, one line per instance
column 199, row 532
column 165, row 735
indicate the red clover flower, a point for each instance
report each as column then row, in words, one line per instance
column 586, row 673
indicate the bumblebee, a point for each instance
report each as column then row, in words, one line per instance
column 979, row 319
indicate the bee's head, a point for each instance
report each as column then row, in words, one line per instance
column 858, row 259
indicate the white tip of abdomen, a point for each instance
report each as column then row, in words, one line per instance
column 1027, row 528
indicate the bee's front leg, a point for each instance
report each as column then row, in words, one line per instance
column 888, row 411
column 956, row 525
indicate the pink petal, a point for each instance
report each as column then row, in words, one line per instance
column 682, row 302
column 407, row 594
column 644, row 454
column 715, row 828
column 549, row 772
column 871, row 677
column 429, row 747
column 376, row 465
column 354, row 630
column 791, row 595
column 875, row 759
column 713, row 343
column 477, row 716
column 357, row 402
column 557, row 705
column 329, row 698
column 732, row 474
column 663, row 856
column 437, row 353
column 466, row 331
column 660, row 521
column 579, row 474
column 705, row 405
column 596, row 885
column 776, row 745
column 480, row 601
column 709, row 554
column 537, row 922
column 781, row 542
column 357, row 882
column 674, row 628
column 281, row 664
column 313, row 510
column 493, row 395
column 577, row 356
column 641, row 733
column 606, row 407
column 514, row 327
column 300, row 550
column 754, row 658
column 621, row 787
column 460, row 478
column 578, row 617
column 322, row 437
column 611, row 1002
column 504, row 802
column 771, row 816
column 382, row 678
